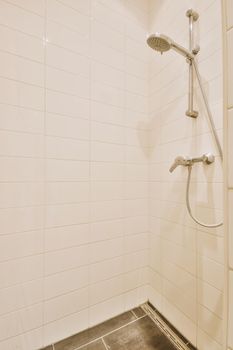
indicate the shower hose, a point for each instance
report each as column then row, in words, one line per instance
column 189, row 206
column 219, row 148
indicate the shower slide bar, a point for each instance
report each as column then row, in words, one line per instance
column 162, row 43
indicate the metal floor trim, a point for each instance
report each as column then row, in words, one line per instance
column 180, row 342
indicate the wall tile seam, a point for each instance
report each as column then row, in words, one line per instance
column 21, row 107
column 20, row 132
column 186, row 138
column 120, row 90
column 221, row 290
column 119, row 12
column 41, row 278
column 182, row 202
column 22, row 309
column 23, row 83
column 217, row 234
column 75, row 74
column 220, row 343
column 98, row 41
column 163, row 277
column 91, row 306
column 24, row 283
column 51, row 299
column 192, row 275
column 90, row 242
column 25, row 333
column 26, row 58
column 94, row 139
column 206, row 9
column 187, row 272
column 8, row 156
column 213, row 339
column 72, row 8
column 176, row 120
column 85, row 265
column 196, row 89
column 60, row 203
column 179, row 181
column 193, row 320
column 87, row 15
column 106, row 123
column 27, row 256
column 175, row 305
column 95, row 60
column 153, row 77
column 21, row 333
column 22, row 8
column 163, row 108
column 124, row 33
column 28, row 34
column 117, row 162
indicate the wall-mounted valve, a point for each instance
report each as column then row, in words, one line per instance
column 206, row 158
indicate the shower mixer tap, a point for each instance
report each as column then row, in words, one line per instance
column 180, row 160
column 206, row 158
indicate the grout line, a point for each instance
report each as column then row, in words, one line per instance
column 134, row 314
column 105, row 345
column 111, row 332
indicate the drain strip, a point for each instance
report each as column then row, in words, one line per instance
column 173, row 335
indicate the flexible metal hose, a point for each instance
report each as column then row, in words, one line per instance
column 217, row 143
column 189, row 206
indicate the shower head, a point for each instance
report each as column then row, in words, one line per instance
column 162, row 43
column 159, row 42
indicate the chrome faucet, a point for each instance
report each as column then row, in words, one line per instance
column 180, row 160
column 206, row 158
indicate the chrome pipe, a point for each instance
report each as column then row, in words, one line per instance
column 191, row 112
column 210, row 117
column 180, row 49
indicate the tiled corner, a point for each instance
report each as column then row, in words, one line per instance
column 230, row 226
column 132, row 330
column 229, row 13
column 230, row 147
column 230, row 320
column 230, row 67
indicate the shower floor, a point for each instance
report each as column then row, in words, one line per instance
column 132, row 330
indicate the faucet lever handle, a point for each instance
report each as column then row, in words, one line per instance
column 180, row 160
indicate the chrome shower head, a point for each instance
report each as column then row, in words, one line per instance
column 162, row 43
column 159, row 42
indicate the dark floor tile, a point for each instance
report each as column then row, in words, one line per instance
column 97, row 345
column 98, row 331
column 138, row 311
column 48, row 348
column 140, row 335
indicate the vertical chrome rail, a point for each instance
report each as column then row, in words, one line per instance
column 210, row 117
column 193, row 16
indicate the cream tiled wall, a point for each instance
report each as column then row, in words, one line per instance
column 186, row 266
column 228, row 36
column 74, row 165
column 79, row 143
